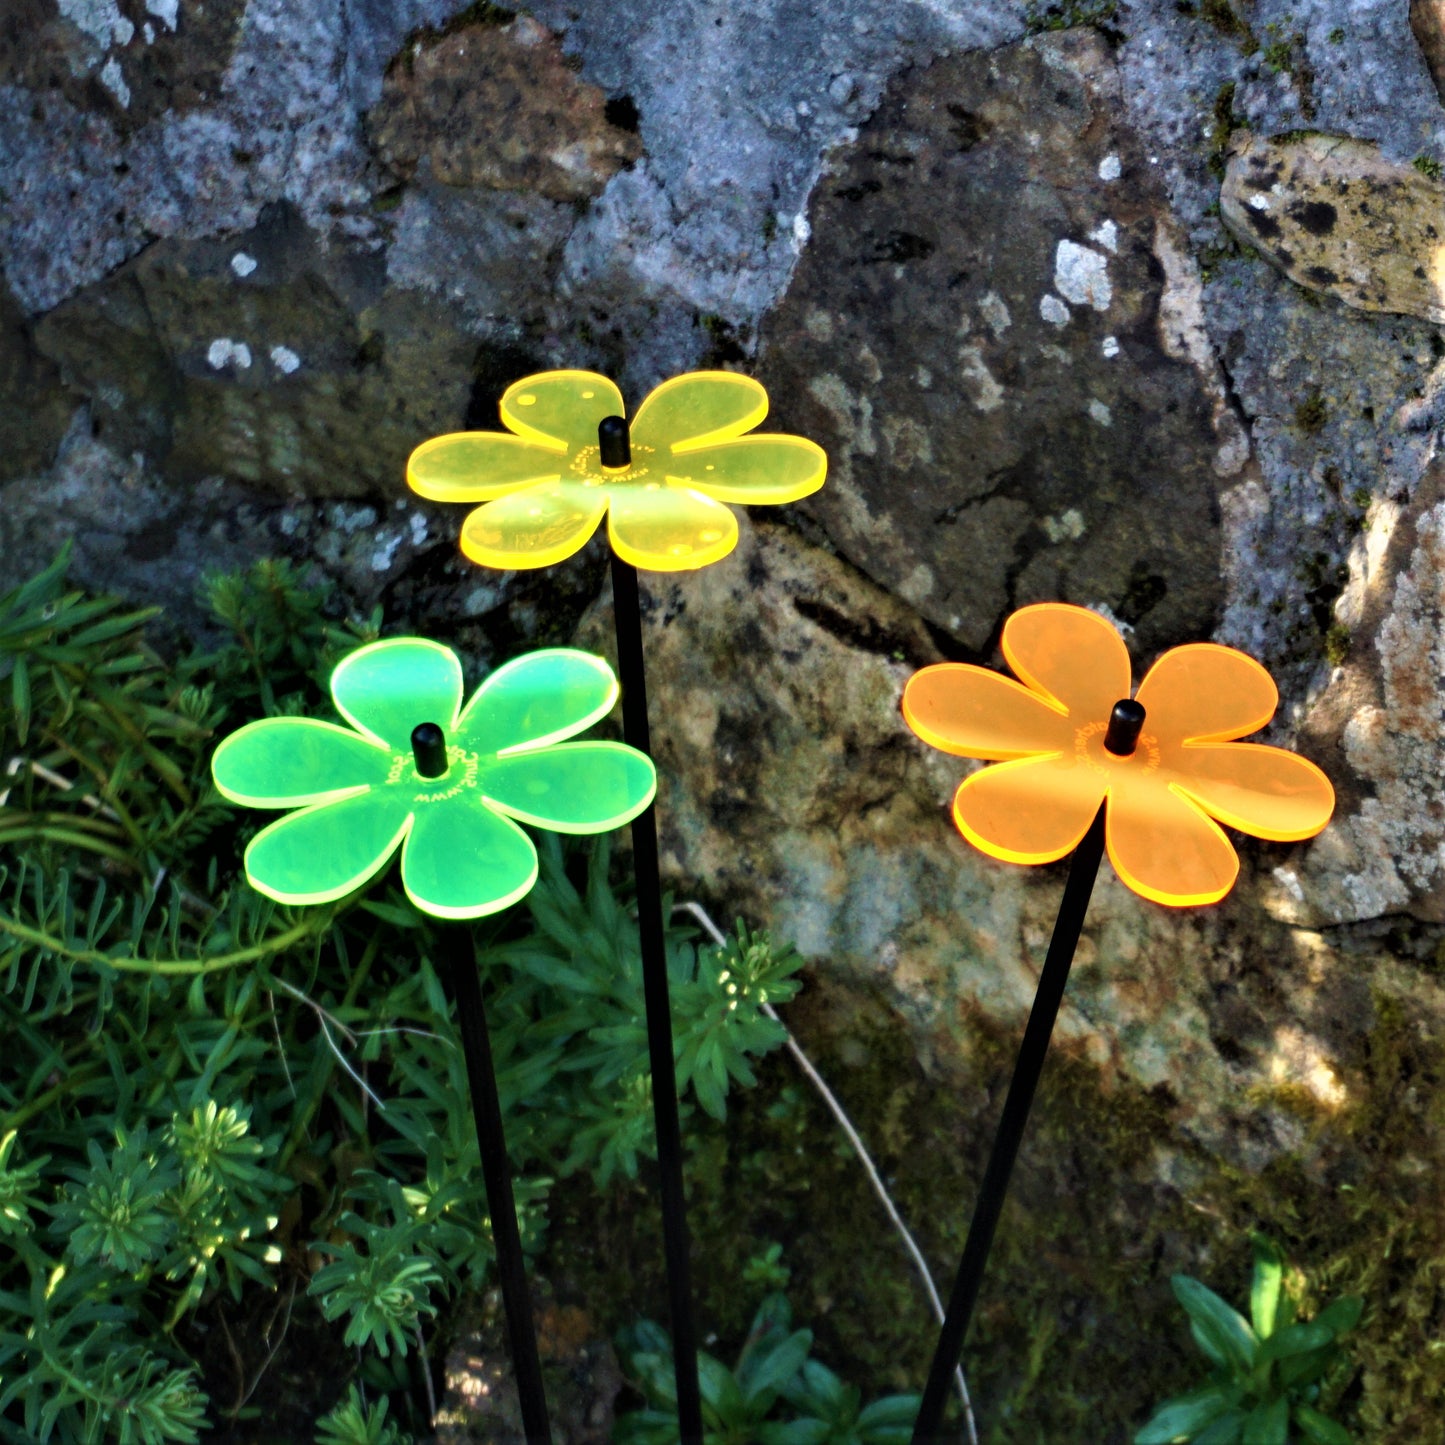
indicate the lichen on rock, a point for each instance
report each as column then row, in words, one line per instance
column 974, row 194
column 1337, row 216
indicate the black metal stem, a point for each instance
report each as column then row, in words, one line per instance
column 1027, row 1068
column 459, row 952
column 632, row 676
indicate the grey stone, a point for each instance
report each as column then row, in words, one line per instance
column 306, row 374
column 985, row 339
column 34, row 405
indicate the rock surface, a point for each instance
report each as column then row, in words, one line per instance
column 1427, row 20
column 979, row 335
column 580, row 1370
column 255, row 250
column 1336, row 216
column 441, row 101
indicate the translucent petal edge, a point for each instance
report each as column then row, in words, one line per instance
column 733, row 429
column 764, row 496
column 626, row 816
column 390, row 644
column 1020, row 667
column 660, row 562
column 476, row 491
column 479, row 910
column 500, row 559
column 291, row 800
column 1234, row 731
column 997, row 850
column 514, row 419
column 942, row 742
column 598, row 711
column 1180, row 900
column 1273, row 835
column 325, row 895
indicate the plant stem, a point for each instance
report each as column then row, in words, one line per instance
column 182, row 966
column 1027, row 1068
column 632, row 674
column 459, row 952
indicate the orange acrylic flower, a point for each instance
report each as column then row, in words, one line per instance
column 546, row 485
column 1046, row 732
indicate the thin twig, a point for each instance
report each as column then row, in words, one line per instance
column 831, row 1100
column 271, row 1353
column 431, row 1396
column 56, row 780
column 325, row 1019
column 404, row 1029
column 280, row 1043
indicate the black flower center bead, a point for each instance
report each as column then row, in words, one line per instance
column 614, row 443
column 1125, row 724
column 429, row 748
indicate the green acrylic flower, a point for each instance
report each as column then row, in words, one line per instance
column 359, row 795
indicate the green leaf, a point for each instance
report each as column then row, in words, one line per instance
column 1343, row 1315
column 20, row 698
column 1268, row 1423
column 1320, row 1429
column 1221, row 1332
column 1265, row 1287
column 1303, row 1369
column 1295, row 1340
column 770, row 1374
column 720, row 1391
column 1226, row 1430
column 1182, row 1418
column 890, row 1410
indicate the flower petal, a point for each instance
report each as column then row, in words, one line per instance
column 1032, row 810
column 698, row 409
column 536, row 699
column 1265, row 791
column 752, row 469
column 285, row 762
column 671, row 529
column 560, row 409
column 979, row 714
column 325, row 852
column 1071, row 655
column 475, row 466
column 1163, row 846
column 1206, row 693
column 575, row 788
column 534, row 528
column 462, row 860
column 386, row 688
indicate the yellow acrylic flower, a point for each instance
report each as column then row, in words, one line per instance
column 547, row 481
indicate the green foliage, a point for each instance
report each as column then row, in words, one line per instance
column 774, row 1395
column 1428, row 166
column 205, row 1093
column 1267, row 1370
column 353, row 1422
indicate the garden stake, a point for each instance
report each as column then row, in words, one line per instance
column 1077, row 771
column 568, row 458
column 630, row 668
column 458, row 948
column 448, row 795
column 459, row 952
column 1122, row 737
